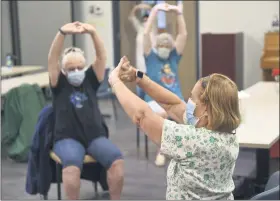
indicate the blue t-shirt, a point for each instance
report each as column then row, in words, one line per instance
column 164, row 72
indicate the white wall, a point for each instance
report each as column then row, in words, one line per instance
column 253, row 18
column 104, row 26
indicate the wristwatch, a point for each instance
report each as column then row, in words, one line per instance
column 62, row 32
column 139, row 74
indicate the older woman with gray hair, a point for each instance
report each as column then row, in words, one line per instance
column 163, row 60
column 79, row 127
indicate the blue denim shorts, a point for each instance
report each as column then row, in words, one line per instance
column 71, row 152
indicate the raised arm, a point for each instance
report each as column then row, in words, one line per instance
column 173, row 105
column 56, row 50
column 181, row 38
column 132, row 16
column 53, row 58
column 100, row 53
column 137, row 109
column 147, row 39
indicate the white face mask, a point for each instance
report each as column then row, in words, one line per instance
column 163, row 52
column 76, row 77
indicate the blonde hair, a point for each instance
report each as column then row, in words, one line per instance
column 165, row 39
column 72, row 52
column 221, row 97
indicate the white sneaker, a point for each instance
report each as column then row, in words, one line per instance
column 160, row 160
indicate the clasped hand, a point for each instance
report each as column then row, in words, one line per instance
column 77, row 28
column 123, row 72
column 167, row 7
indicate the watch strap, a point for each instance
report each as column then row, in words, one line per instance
column 62, row 32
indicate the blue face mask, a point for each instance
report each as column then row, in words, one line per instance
column 189, row 116
column 76, row 77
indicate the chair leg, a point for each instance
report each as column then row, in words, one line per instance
column 44, row 197
column 146, row 147
column 114, row 106
column 137, row 137
column 96, row 189
column 58, row 179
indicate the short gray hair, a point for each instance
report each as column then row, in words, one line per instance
column 165, row 39
column 71, row 52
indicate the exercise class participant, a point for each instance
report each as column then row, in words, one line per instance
column 139, row 27
column 201, row 143
column 79, row 126
column 162, row 61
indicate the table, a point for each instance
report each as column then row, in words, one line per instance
column 42, row 79
column 18, row 70
column 260, row 129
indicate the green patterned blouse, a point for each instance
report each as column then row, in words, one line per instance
column 202, row 162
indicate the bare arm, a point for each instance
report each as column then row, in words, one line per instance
column 133, row 19
column 132, row 16
column 100, row 62
column 147, row 39
column 173, row 105
column 170, row 102
column 139, row 112
column 53, row 58
column 181, row 38
column 100, row 52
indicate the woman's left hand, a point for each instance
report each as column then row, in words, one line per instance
column 127, row 72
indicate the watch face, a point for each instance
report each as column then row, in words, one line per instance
column 140, row 74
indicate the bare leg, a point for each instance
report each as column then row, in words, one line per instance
column 115, row 179
column 71, row 182
column 160, row 158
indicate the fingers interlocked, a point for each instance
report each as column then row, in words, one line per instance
column 126, row 73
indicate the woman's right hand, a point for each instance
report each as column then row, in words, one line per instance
column 73, row 28
column 127, row 73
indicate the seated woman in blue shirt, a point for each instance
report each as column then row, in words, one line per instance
column 162, row 61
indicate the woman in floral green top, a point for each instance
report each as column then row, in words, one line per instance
column 201, row 142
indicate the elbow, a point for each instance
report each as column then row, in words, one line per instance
column 184, row 34
column 101, row 58
column 146, row 33
column 104, row 58
column 138, row 116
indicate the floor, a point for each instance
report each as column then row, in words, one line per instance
column 143, row 180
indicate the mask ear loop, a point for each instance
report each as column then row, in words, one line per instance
column 204, row 114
